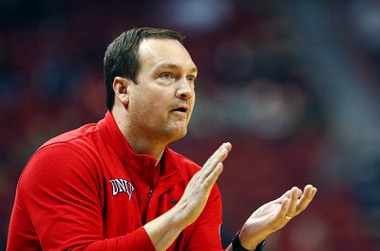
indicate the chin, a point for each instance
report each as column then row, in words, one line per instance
column 178, row 135
column 181, row 134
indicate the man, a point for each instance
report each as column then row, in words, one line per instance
column 115, row 185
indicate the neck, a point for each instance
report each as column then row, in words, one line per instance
column 142, row 146
column 139, row 143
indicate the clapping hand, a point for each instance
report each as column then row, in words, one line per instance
column 274, row 215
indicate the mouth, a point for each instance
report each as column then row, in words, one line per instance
column 181, row 109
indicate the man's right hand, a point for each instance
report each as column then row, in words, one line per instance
column 166, row 228
column 198, row 190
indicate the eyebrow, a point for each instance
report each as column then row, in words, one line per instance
column 174, row 66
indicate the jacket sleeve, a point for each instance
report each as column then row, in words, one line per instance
column 206, row 235
column 59, row 193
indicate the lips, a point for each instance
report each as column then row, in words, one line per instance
column 183, row 108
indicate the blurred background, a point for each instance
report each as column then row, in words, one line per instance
column 293, row 85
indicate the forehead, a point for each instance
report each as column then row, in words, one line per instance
column 155, row 52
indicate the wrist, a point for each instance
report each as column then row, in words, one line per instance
column 237, row 246
column 179, row 215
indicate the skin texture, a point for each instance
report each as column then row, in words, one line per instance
column 274, row 215
column 147, row 111
column 155, row 112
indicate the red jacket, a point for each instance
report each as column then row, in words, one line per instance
column 86, row 189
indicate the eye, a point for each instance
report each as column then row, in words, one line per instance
column 191, row 78
column 166, row 75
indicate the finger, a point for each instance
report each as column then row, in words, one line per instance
column 295, row 193
column 212, row 177
column 280, row 218
column 218, row 156
column 282, row 197
column 306, row 198
column 287, row 194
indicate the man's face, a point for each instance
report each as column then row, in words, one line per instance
column 161, row 103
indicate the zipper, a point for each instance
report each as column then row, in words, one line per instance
column 147, row 206
column 149, row 196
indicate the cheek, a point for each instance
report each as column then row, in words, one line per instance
column 154, row 106
column 151, row 101
column 143, row 98
column 162, row 99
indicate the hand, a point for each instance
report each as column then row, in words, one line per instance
column 163, row 230
column 275, row 215
column 199, row 187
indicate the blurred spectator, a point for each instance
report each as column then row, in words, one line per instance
column 364, row 17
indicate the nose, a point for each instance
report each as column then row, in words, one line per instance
column 185, row 90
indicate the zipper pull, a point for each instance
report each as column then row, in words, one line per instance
column 150, row 194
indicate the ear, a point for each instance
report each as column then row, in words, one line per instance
column 121, row 86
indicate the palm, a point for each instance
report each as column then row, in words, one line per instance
column 274, row 215
column 266, row 211
column 263, row 217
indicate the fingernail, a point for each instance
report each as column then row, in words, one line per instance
column 315, row 191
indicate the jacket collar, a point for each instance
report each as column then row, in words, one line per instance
column 141, row 162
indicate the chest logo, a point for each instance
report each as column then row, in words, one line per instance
column 122, row 186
